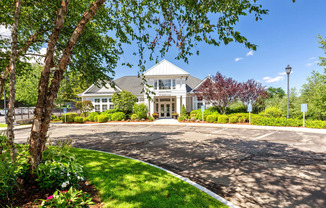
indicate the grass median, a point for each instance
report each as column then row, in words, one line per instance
column 123, row 182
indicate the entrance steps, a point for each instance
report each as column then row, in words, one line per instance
column 166, row 121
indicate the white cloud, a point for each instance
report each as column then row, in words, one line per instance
column 250, row 53
column 312, row 63
column 284, row 73
column 238, row 59
column 275, row 79
column 312, row 58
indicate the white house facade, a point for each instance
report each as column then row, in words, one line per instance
column 172, row 87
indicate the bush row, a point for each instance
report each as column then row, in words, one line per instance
column 266, row 121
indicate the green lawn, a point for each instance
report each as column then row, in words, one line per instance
column 3, row 125
column 127, row 183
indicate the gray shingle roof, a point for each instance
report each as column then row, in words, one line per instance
column 134, row 85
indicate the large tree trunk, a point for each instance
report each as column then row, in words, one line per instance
column 47, row 95
column 12, row 68
column 36, row 144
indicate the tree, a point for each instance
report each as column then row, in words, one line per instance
column 124, row 101
column 219, row 90
column 85, row 106
column 12, row 81
column 313, row 93
column 96, row 47
column 26, row 86
column 272, row 92
column 250, row 90
column 183, row 111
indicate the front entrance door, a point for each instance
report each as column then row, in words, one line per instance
column 165, row 110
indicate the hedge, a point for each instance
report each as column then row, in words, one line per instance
column 102, row 118
column 69, row 117
column 233, row 119
column 211, row 118
column 223, row 119
column 118, row 116
column 92, row 115
column 265, row 121
column 79, row 119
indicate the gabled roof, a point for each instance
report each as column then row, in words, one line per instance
column 200, row 83
column 131, row 84
column 165, row 68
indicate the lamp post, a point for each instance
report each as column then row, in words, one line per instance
column 288, row 72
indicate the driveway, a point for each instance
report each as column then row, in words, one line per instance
column 250, row 168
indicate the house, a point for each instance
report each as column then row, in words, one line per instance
column 171, row 85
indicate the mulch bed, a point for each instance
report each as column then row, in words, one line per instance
column 28, row 196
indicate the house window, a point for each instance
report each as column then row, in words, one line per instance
column 104, row 100
column 173, row 110
column 155, row 84
column 156, row 107
column 111, row 106
column 97, row 100
column 97, row 108
column 110, row 100
column 173, row 83
column 104, row 107
column 164, row 84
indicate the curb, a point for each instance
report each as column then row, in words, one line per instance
column 212, row 194
column 17, row 127
column 229, row 126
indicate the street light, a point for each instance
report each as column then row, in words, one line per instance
column 288, row 72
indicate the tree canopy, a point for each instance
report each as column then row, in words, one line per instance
column 124, row 101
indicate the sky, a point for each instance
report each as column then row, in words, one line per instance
column 287, row 35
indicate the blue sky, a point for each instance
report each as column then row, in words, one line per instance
column 287, row 35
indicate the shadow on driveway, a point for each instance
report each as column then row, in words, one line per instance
column 248, row 173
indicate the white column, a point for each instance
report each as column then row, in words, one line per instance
column 178, row 105
column 151, row 103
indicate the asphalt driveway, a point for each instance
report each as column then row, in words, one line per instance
column 250, row 168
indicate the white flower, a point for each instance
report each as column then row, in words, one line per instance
column 64, row 185
column 68, row 174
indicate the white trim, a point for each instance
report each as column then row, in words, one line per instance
column 164, row 60
column 203, row 189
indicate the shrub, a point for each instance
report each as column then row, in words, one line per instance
column 85, row 119
column 70, row 198
column 265, row 121
column 223, row 119
column 151, row 118
column 95, row 118
column 211, row 118
column 273, row 112
column 181, row 118
column 140, row 110
column 10, row 171
column 54, row 117
column 236, row 107
column 59, row 168
column 155, row 115
column 134, row 117
column 118, row 116
column 183, row 111
column 102, row 118
column 69, row 117
column 233, row 119
column 316, row 124
column 92, row 115
column 111, row 111
column 79, row 119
